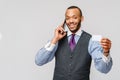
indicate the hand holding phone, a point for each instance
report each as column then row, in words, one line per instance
column 59, row 33
column 63, row 26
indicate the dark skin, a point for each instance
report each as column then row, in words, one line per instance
column 73, row 21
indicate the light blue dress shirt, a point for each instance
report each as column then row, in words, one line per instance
column 102, row 63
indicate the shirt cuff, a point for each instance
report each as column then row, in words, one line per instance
column 106, row 59
column 49, row 46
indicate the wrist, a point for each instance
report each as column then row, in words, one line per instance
column 106, row 53
column 54, row 41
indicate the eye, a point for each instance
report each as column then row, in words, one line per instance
column 75, row 17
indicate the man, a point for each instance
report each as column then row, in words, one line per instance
column 73, row 63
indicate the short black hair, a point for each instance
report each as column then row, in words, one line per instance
column 72, row 7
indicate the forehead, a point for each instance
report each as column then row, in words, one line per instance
column 72, row 12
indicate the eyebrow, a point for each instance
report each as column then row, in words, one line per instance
column 71, row 16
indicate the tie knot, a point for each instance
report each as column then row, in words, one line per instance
column 73, row 35
column 72, row 38
column 72, row 42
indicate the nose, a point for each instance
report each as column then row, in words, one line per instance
column 70, row 20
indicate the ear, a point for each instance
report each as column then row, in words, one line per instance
column 82, row 18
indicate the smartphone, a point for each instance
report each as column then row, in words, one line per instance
column 64, row 27
column 64, row 24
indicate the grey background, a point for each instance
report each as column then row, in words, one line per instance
column 26, row 26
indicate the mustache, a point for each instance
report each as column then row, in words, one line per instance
column 79, row 24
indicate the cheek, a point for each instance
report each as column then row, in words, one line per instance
column 67, row 21
column 78, row 21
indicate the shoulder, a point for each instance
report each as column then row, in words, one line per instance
column 86, row 34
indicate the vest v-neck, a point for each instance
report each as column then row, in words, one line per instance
column 78, row 42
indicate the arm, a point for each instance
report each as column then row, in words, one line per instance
column 45, row 54
column 100, row 55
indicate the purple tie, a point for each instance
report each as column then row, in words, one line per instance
column 72, row 42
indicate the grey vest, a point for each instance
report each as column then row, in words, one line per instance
column 73, row 65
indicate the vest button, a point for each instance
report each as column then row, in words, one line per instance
column 69, row 64
column 71, row 57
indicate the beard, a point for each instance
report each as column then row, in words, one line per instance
column 77, row 28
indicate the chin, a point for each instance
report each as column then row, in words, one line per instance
column 73, row 31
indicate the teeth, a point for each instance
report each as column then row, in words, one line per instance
column 72, row 25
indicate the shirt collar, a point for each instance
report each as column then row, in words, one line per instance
column 79, row 32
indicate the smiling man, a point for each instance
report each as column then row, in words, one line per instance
column 74, row 50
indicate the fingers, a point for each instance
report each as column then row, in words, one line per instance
column 106, row 44
column 60, row 29
column 105, row 40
